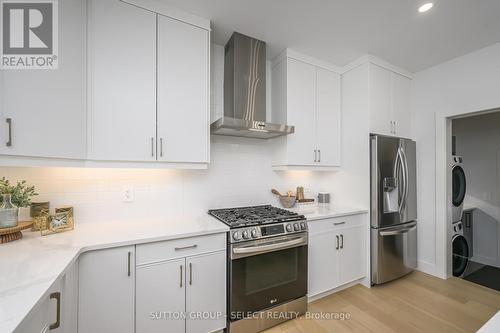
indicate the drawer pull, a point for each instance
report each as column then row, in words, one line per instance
column 194, row 246
column 339, row 223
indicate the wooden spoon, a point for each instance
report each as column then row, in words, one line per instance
column 276, row 192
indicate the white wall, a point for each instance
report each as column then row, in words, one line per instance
column 466, row 84
column 239, row 174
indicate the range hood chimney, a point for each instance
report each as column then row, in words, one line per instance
column 245, row 91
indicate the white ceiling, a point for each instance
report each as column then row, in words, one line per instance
column 340, row 31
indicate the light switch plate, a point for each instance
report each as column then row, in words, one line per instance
column 128, row 193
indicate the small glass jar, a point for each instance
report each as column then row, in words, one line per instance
column 8, row 212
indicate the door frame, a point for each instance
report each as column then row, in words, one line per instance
column 443, row 186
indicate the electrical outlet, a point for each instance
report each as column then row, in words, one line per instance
column 128, row 193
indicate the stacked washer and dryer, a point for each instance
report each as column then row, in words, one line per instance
column 461, row 250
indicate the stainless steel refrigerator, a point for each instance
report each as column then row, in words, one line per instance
column 393, row 207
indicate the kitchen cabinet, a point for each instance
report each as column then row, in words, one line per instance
column 206, row 292
column 122, row 110
column 389, row 102
column 149, row 86
column 184, row 280
column 306, row 96
column 56, row 311
column 183, row 75
column 337, row 253
column 106, row 301
column 161, row 289
column 46, row 108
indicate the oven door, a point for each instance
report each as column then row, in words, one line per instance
column 265, row 273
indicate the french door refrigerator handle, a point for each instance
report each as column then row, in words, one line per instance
column 406, row 176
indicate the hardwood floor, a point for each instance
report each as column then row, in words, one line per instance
column 415, row 303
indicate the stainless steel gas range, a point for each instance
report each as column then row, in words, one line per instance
column 267, row 266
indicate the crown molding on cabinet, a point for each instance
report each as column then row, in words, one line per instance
column 376, row 61
column 289, row 53
column 166, row 10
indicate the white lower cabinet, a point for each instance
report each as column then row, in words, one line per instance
column 182, row 295
column 161, row 297
column 206, row 293
column 337, row 253
column 107, row 291
column 56, row 312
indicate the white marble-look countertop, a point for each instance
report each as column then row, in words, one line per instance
column 30, row 266
column 323, row 211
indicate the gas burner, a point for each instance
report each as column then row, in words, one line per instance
column 254, row 215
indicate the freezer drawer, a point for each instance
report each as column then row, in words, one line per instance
column 393, row 252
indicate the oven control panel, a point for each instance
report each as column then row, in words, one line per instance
column 264, row 231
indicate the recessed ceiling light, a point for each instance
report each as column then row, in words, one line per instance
column 425, row 7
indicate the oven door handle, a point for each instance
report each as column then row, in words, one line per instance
column 268, row 247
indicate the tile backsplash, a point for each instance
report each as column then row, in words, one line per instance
column 239, row 174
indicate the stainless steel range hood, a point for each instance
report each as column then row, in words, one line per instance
column 245, row 92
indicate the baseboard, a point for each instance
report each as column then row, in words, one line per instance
column 427, row 268
column 334, row 290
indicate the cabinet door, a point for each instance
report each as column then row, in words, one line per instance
column 45, row 313
column 322, row 262
column 206, row 293
column 352, row 254
column 122, row 82
column 160, row 297
column 328, row 117
column 47, row 107
column 401, row 95
column 301, row 112
column 380, row 100
column 183, row 112
column 106, row 291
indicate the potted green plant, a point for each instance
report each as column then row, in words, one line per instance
column 13, row 198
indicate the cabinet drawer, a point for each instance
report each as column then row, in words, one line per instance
column 336, row 222
column 184, row 247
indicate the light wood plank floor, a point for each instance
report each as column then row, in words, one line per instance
column 415, row 303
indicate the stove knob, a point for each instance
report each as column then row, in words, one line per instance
column 254, row 233
column 289, row 227
column 303, row 226
column 296, row 227
column 245, row 234
column 236, row 235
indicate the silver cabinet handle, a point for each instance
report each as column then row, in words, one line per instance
column 339, row 223
column 395, row 127
column 161, row 147
column 337, row 244
column 128, row 263
column 319, row 153
column 315, row 155
column 194, row 246
column 190, row 273
column 152, row 147
column 9, row 125
column 181, row 276
column 57, row 297
column 341, row 241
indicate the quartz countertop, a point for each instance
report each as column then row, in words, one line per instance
column 323, row 211
column 30, row 266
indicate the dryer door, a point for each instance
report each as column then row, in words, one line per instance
column 460, row 255
column 458, row 185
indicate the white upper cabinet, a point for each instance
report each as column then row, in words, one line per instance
column 46, row 108
column 183, row 105
column 389, row 102
column 306, row 95
column 149, row 86
column 122, row 110
column 301, row 112
column 328, row 117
